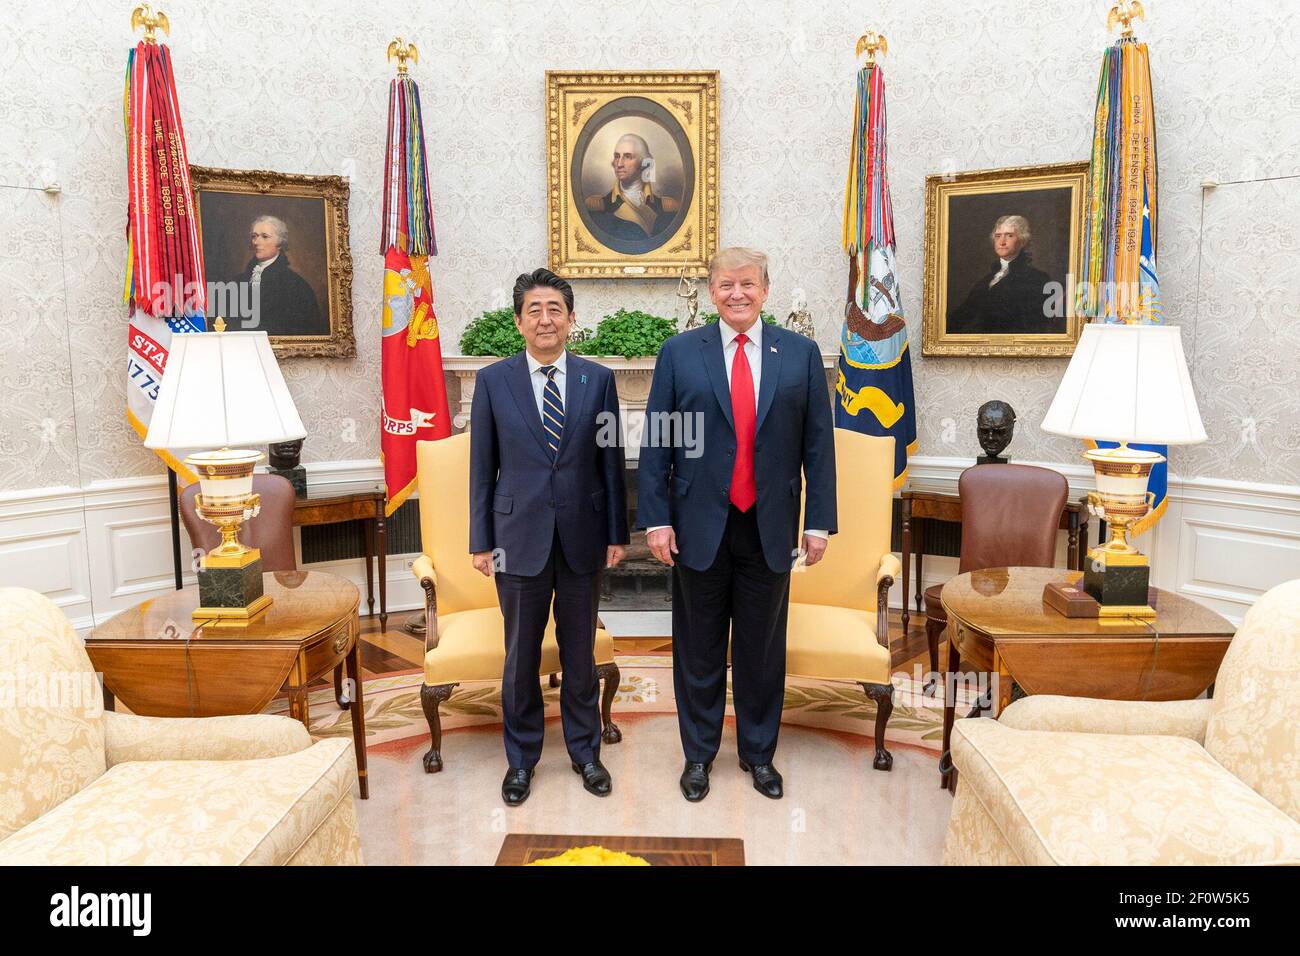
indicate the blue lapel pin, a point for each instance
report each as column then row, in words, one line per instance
column 582, row 380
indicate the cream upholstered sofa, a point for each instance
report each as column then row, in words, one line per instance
column 1062, row 780
column 79, row 785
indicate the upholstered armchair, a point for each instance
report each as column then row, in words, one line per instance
column 1062, row 780
column 86, row 786
column 838, row 625
column 465, row 638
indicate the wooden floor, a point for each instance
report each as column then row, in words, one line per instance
column 393, row 650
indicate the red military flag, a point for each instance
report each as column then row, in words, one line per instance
column 414, row 394
column 165, row 291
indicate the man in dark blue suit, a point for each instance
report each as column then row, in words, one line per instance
column 548, row 511
column 737, row 410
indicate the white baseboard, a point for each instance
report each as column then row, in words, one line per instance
column 98, row 550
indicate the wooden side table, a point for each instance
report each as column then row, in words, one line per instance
column 330, row 507
column 931, row 505
column 162, row 663
column 999, row 625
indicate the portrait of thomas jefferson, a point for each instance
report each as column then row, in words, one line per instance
column 632, row 209
column 1011, row 297
column 284, row 302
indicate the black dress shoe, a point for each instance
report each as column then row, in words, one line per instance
column 514, row 788
column 766, row 780
column 595, row 778
column 695, row 781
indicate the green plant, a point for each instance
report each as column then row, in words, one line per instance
column 492, row 333
column 629, row 334
column 708, row 318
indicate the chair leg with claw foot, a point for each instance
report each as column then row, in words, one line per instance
column 609, row 673
column 882, row 695
column 430, row 699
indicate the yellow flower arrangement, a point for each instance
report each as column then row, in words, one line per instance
column 591, row 856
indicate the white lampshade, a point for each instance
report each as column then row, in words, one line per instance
column 1127, row 383
column 222, row 390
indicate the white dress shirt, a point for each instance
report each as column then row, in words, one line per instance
column 1002, row 273
column 537, row 378
column 754, row 355
column 256, row 278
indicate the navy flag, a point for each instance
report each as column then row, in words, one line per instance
column 874, row 385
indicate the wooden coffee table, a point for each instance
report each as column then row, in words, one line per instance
column 999, row 625
column 520, row 849
column 162, row 663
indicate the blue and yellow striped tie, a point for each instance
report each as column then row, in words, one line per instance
column 552, row 409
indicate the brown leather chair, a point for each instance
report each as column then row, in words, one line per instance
column 271, row 530
column 1009, row 518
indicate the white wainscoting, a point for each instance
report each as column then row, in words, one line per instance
column 100, row 550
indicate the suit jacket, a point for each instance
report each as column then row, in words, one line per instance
column 287, row 305
column 1014, row 305
column 518, row 496
column 793, row 433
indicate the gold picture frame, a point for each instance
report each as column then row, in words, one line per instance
column 671, row 221
column 966, row 313
column 313, row 264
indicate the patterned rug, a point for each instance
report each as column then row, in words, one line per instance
column 393, row 710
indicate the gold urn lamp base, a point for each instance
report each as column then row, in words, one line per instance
column 1118, row 575
column 230, row 575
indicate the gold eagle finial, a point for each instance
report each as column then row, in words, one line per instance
column 144, row 16
column 402, row 52
column 872, row 43
column 1123, row 14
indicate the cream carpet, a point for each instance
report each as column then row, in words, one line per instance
column 836, row 810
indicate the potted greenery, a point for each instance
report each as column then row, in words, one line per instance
column 624, row 334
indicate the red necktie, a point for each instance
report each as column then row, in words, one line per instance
column 743, row 413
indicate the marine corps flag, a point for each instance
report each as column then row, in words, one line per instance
column 165, row 289
column 1119, row 245
column 414, row 394
column 874, row 385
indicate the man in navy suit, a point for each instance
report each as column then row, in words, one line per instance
column 737, row 410
column 548, row 511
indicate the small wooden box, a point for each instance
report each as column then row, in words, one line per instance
column 1069, row 600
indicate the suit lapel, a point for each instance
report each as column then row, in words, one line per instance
column 521, row 390
column 771, row 364
column 716, row 367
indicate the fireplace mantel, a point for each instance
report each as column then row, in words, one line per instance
column 631, row 377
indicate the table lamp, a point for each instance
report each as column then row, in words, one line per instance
column 1125, row 383
column 223, row 390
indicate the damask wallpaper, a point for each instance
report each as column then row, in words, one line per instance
column 302, row 87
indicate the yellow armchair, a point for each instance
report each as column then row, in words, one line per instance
column 465, row 632
column 838, row 626
column 1067, row 780
column 83, row 786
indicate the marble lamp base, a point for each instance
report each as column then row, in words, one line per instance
column 231, row 597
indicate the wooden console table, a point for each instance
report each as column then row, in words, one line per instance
column 931, row 505
column 162, row 663
column 323, row 506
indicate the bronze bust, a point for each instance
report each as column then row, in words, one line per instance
column 994, row 424
column 284, row 457
column 285, row 454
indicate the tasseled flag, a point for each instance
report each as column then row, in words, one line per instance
column 874, row 385
column 414, row 393
column 165, row 289
column 1119, row 283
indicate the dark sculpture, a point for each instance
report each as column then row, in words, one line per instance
column 284, row 457
column 994, row 424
